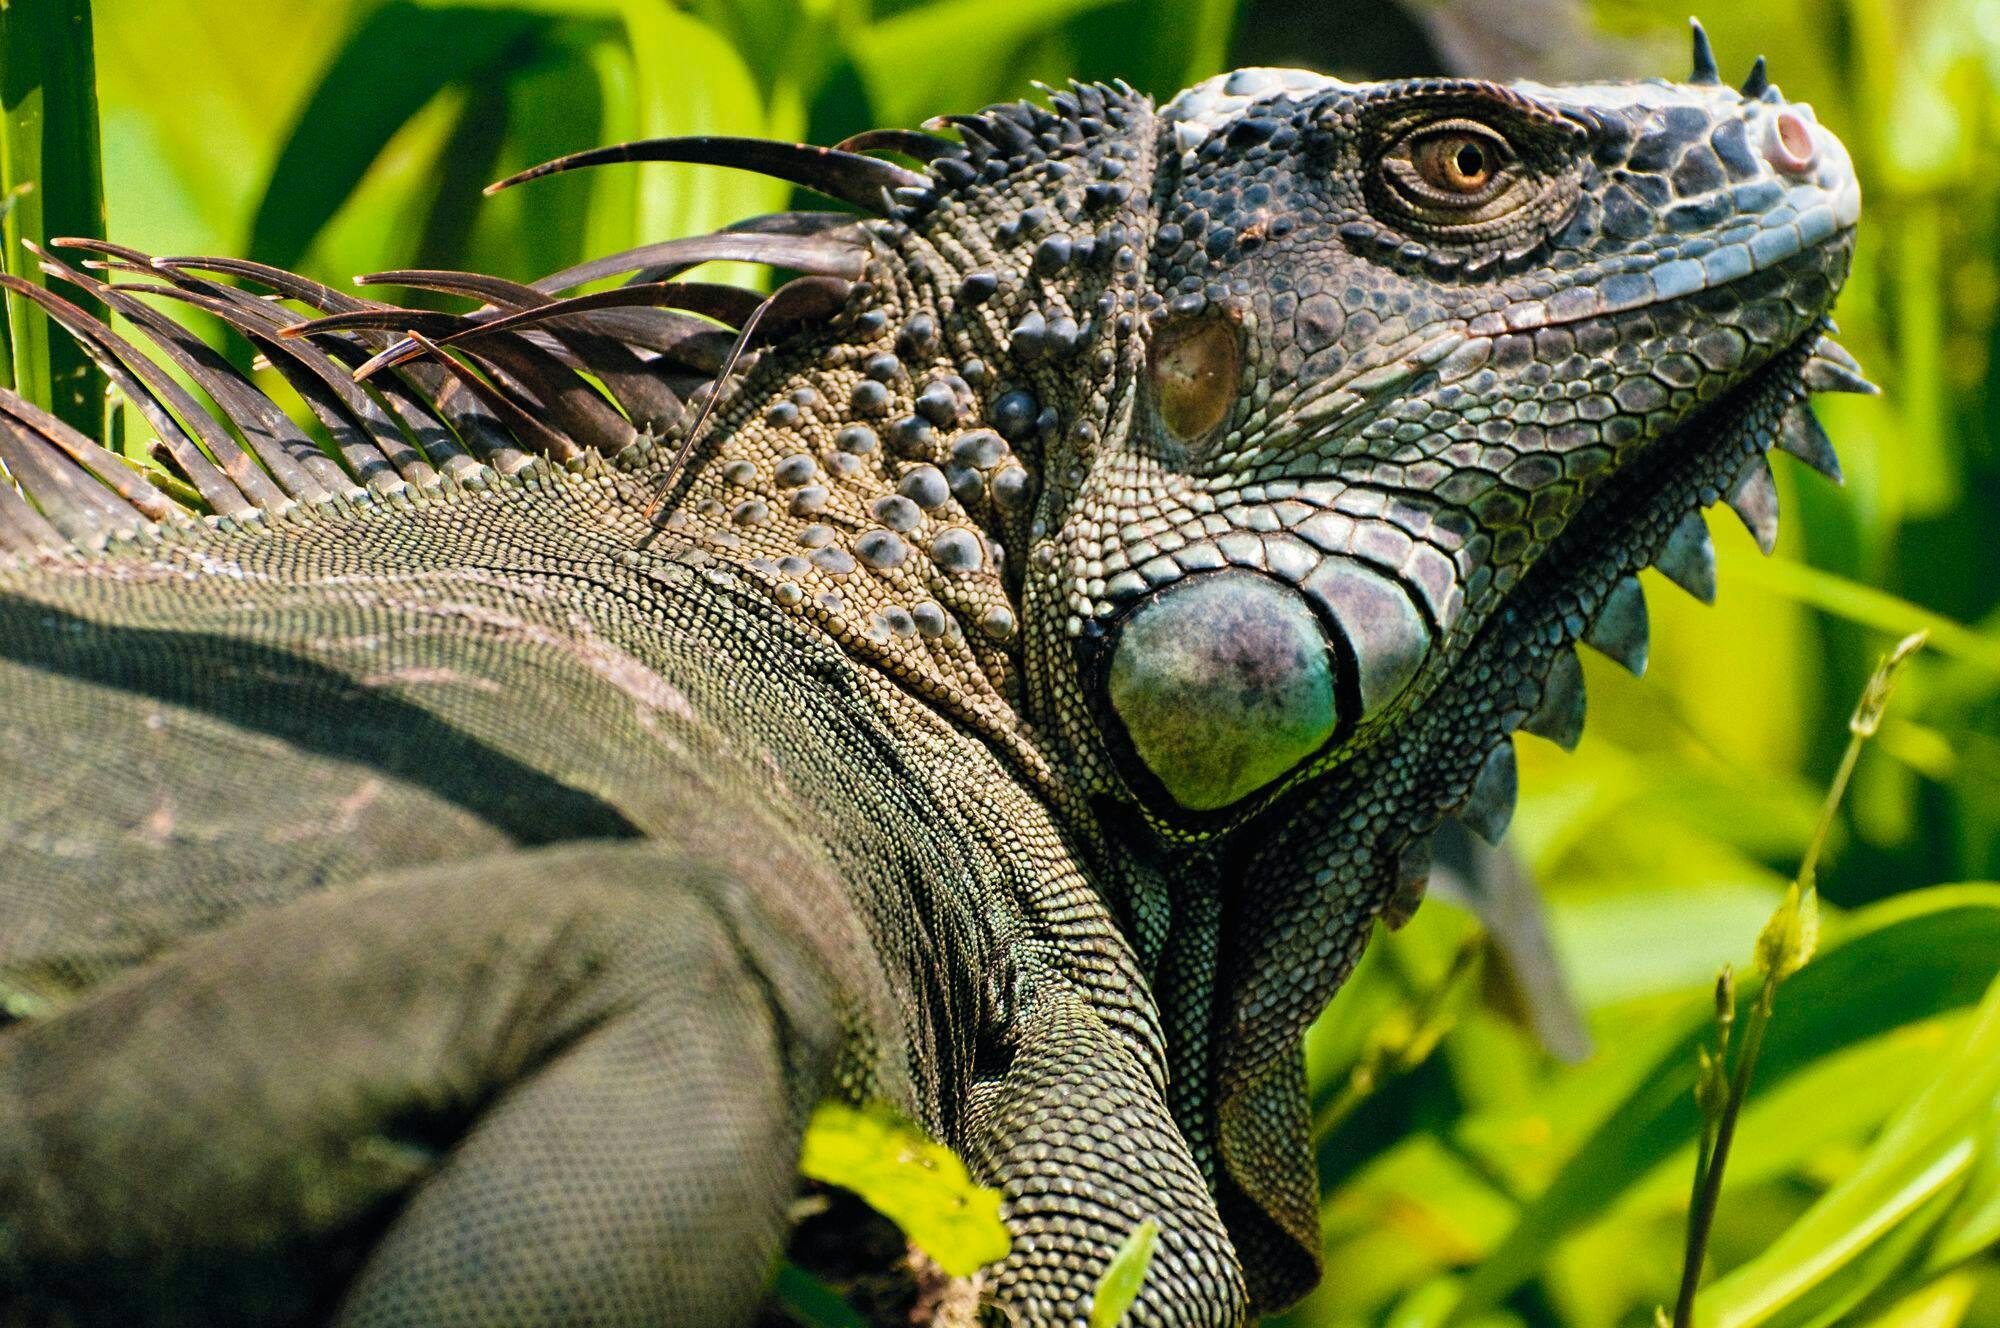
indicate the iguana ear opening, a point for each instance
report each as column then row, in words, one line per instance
column 1195, row 371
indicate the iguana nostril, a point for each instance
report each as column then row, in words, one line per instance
column 1788, row 143
column 1223, row 682
column 1195, row 371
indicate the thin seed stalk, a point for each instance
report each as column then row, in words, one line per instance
column 1711, row 1070
column 1708, row 1189
column 1809, row 864
column 1786, row 944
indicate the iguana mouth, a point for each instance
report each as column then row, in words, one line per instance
column 1585, row 588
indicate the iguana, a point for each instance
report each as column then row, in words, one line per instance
column 445, row 854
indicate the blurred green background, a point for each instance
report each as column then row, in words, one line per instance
column 1480, row 1180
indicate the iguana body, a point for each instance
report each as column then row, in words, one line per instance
column 446, row 906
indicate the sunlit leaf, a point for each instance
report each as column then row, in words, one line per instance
column 1821, row 1111
column 916, row 1183
column 1872, row 607
column 1940, row 1306
column 1878, row 977
column 1123, row 1277
column 399, row 58
column 1973, row 1226
column 691, row 81
column 907, row 61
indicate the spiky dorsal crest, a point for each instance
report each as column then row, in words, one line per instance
column 407, row 403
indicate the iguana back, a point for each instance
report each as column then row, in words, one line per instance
column 320, row 701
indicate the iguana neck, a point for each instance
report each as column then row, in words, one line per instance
column 885, row 476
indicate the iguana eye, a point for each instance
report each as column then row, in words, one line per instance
column 1455, row 162
column 1456, row 171
column 1457, row 180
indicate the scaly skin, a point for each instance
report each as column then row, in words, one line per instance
column 444, row 906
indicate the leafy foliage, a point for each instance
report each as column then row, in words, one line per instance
column 919, row 1185
column 50, row 184
column 1470, row 1178
column 1119, row 1286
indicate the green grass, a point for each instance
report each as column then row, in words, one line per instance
column 50, row 184
column 1469, row 1177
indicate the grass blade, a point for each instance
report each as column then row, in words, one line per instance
column 899, row 56
column 52, row 178
column 1935, row 953
column 1119, row 1286
column 1923, row 1156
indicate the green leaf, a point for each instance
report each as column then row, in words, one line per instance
column 1859, row 1232
column 53, row 181
column 1158, row 46
column 1631, row 944
column 1822, row 1111
column 810, row 1301
column 691, row 81
column 1974, row 1224
column 1123, row 1277
column 907, row 61
column 1912, row 958
column 1871, row 607
column 395, row 62
column 1942, row 1305
column 916, row 1183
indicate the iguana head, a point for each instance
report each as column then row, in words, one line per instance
column 1337, row 367
column 1352, row 408
column 1406, row 337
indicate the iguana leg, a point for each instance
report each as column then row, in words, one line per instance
column 549, row 1087
column 1075, row 1132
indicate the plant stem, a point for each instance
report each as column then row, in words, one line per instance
column 1809, row 864
column 1792, row 946
column 1709, row 1165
